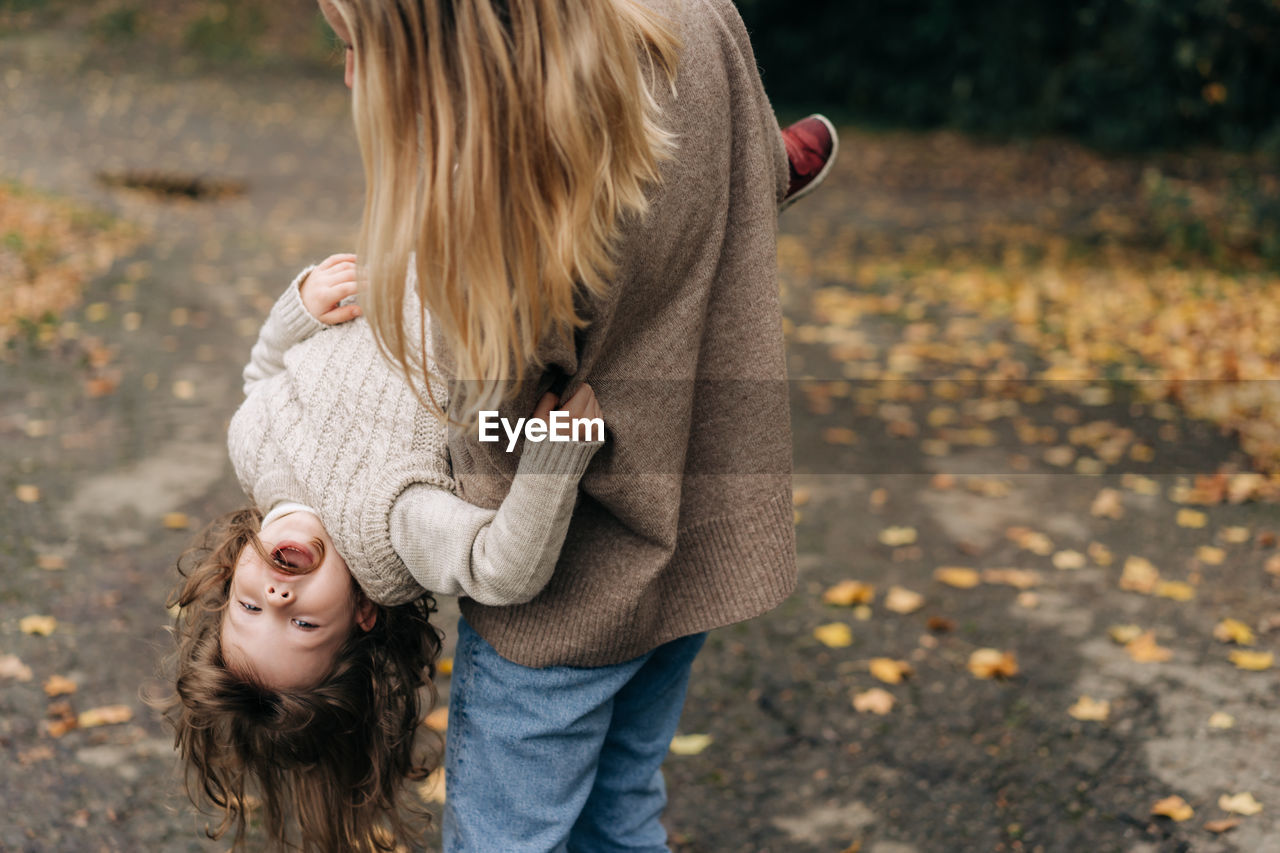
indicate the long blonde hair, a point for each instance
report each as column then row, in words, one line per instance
column 504, row 142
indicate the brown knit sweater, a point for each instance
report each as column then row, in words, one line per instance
column 685, row 518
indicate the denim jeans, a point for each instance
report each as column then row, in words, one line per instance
column 562, row 759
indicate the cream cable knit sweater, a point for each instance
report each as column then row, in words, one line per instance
column 326, row 422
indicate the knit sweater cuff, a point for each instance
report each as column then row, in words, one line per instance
column 388, row 581
column 294, row 320
column 565, row 458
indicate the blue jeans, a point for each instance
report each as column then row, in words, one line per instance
column 562, row 759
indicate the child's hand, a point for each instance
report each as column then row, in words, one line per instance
column 582, row 404
column 333, row 280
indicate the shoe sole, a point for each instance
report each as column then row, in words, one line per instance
column 826, row 169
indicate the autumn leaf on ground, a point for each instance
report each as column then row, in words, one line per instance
column 51, row 562
column 1252, row 661
column 877, row 700
column 960, row 578
column 107, row 715
column 1233, row 631
column 41, row 626
column 690, row 744
column 1176, row 590
column 1242, row 803
column 1090, row 710
column 438, row 720
column 1139, row 575
column 1030, row 540
column 890, row 671
column 1173, row 807
column 902, row 600
column 1068, row 560
column 1017, row 578
column 444, row 666
column 839, row 435
column 1220, row 826
column 1145, row 649
column 1192, row 518
column 57, row 685
column 896, row 536
column 1221, row 720
column 1210, row 556
column 1124, row 634
column 1100, row 554
column 800, row 496
column 11, row 667
column 1272, row 566
column 835, row 635
column 993, row 663
column 1108, row 504
column 1234, row 535
column 176, row 521
column 848, row 593
column 1141, row 485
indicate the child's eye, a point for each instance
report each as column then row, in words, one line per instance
column 302, row 624
column 252, row 608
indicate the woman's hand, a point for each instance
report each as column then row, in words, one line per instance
column 333, row 280
column 582, row 404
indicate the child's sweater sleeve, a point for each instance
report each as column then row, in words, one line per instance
column 289, row 323
column 498, row 557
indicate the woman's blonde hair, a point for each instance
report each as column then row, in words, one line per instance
column 503, row 143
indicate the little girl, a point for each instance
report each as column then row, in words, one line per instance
column 303, row 635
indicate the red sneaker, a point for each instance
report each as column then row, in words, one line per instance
column 811, row 151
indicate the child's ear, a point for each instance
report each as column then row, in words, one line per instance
column 366, row 614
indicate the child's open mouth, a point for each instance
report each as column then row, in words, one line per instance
column 294, row 557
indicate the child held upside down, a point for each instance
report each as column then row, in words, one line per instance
column 303, row 635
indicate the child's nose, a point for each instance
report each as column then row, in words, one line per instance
column 279, row 594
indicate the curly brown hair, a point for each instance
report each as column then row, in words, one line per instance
column 328, row 763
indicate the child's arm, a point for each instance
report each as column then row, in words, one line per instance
column 504, row 556
column 308, row 305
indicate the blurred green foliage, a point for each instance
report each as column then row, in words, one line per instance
column 227, row 30
column 1121, row 74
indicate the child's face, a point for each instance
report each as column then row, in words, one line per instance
column 287, row 624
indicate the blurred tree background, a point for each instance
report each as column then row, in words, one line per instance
column 1114, row 73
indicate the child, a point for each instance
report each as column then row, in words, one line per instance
column 589, row 187
column 304, row 635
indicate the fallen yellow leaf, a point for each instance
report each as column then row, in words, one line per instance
column 835, row 635
column 51, row 562
column 1139, row 575
column 958, row 577
column 1176, row 590
column 1124, row 634
column 41, row 626
column 1221, row 720
column 1068, row 560
column 800, row 497
column 877, row 700
column 1220, row 826
column 107, row 715
column 993, row 663
column 1210, row 556
column 1100, row 554
column 1234, row 535
column 1145, row 649
column 902, row 600
column 690, row 744
column 1090, row 710
column 1108, row 504
column 1192, row 518
column 27, row 493
column 1242, row 803
column 839, row 435
column 896, row 536
column 890, row 671
column 444, row 666
column 1233, row 631
column 12, row 667
column 57, row 685
column 1173, row 807
column 1252, row 661
column 176, row 521
column 848, row 593
column 1017, row 578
